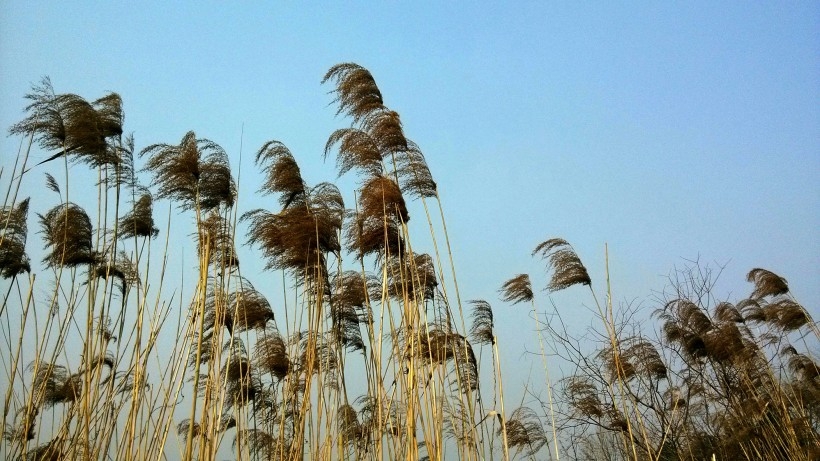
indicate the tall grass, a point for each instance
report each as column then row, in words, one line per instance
column 371, row 353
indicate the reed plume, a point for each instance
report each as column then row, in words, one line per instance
column 766, row 283
column 524, row 431
column 636, row 357
column 350, row 430
column 237, row 311
column 482, row 328
column 53, row 450
column 120, row 267
column 356, row 91
column 583, row 396
column 194, row 173
column 139, row 222
column 376, row 226
column 517, row 289
column 216, row 240
column 271, row 354
column 68, row 234
column 567, row 268
column 54, row 384
column 414, row 174
column 242, row 382
column 384, row 126
column 263, row 445
column 411, row 277
column 69, row 124
column 356, row 149
column 13, row 257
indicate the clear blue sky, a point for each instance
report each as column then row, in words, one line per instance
column 667, row 131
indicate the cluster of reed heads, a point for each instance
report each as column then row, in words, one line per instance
column 369, row 355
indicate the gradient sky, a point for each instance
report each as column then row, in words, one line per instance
column 668, row 132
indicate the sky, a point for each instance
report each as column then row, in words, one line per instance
column 665, row 133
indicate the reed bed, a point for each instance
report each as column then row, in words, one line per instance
column 372, row 354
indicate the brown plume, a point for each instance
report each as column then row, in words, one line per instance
column 766, row 283
column 412, row 277
column 68, row 233
column 216, row 236
column 482, row 328
column 414, row 174
column 282, row 174
column 53, row 384
column 517, row 289
column 567, row 268
column 524, row 431
column 356, row 91
column 271, row 354
column 583, row 396
column 13, row 234
column 69, row 124
column 139, row 222
column 193, row 169
column 356, row 149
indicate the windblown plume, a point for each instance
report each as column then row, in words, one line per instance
column 635, row 357
column 52, row 384
column 381, row 197
column 25, row 425
column 346, row 330
column 524, row 431
column 376, row 226
column 282, row 174
column 686, row 324
column 242, row 383
column 356, row 149
column 371, row 235
column 69, row 124
column 412, row 277
column 482, row 328
column 439, row 346
column 216, row 185
column 51, row 183
column 583, row 396
column 766, row 283
column 459, row 424
column 784, row 314
column 53, row 450
column 13, row 234
column 110, row 113
column 315, row 354
column 802, row 366
column 139, row 222
column 240, row 310
column 195, row 169
column 356, row 91
column 68, row 233
column 350, row 430
column 46, row 120
column 414, row 174
column 381, row 416
column 384, row 126
column 354, row 289
column 121, row 267
column 567, row 268
column 517, row 289
column 298, row 238
column 271, row 354
column 727, row 312
column 216, row 237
